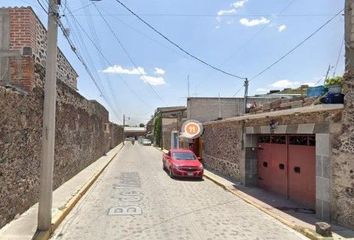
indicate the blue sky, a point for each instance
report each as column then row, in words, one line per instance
column 240, row 36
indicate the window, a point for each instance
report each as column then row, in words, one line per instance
column 183, row 156
column 264, row 139
column 298, row 140
column 278, row 139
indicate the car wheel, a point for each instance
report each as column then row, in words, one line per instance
column 170, row 173
column 163, row 166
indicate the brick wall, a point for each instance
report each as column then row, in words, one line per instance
column 27, row 41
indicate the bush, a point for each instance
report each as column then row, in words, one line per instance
column 338, row 80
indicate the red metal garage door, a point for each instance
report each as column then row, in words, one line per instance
column 286, row 165
column 302, row 170
column 272, row 164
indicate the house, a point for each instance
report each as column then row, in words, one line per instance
column 166, row 120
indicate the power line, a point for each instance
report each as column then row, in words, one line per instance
column 238, row 91
column 80, row 58
column 338, row 58
column 106, row 60
column 94, row 35
column 208, row 15
column 247, row 42
column 297, row 46
column 178, row 46
column 126, row 51
column 110, row 101
column 75, row 50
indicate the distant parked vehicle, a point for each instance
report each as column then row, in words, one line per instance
column 146, row 142
column 182, row 163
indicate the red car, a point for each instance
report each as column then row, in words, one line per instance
column 182, row 163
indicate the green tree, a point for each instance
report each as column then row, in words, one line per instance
column 141, row 125
column 157, row 130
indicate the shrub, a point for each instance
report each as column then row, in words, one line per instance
column 338, row 80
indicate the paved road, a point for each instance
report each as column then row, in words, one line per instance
column 136, row 199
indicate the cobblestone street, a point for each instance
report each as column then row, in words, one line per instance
column 135, row 199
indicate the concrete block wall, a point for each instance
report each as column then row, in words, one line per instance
column 208, row 109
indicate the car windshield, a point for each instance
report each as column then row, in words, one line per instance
column 183, row 156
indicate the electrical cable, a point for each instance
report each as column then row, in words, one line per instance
column 297, row 46
column 80, row 58
column 338, row 58
column 126, row 51
column 105, row 58
column 178, row 46
column 92, row 28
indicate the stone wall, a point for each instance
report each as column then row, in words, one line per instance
column 223, row 139
column 83, row 134
column 230, row 149
column 343, row 160
column 222, row 150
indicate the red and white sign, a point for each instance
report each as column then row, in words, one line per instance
column 192, row 129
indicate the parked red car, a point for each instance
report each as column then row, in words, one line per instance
column 182, row 163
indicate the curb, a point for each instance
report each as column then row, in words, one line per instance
column 304, row 231
column 59, row 217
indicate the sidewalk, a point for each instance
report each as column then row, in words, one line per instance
column 283, row 210
column 64, row 199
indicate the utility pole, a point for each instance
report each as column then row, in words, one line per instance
column 48, row 133
column 123, row 129
column 246, row 95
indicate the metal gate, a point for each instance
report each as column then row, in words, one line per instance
column 287, row 166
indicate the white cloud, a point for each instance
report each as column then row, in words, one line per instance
column 226, row 12
column 285, row 84
column 117, row 69
column 159, row 71
column 217, row 27
column 254, row 22
column 282, row 28
column 153, row 80
column 262, row 90
column 239, row 4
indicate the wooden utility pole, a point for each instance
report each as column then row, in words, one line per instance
column 48, row 134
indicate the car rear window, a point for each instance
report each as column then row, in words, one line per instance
column 183, row 156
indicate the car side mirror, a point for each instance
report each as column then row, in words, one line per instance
column 199, row 158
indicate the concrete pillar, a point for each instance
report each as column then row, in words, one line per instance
column 323, row 176
column 248, row 164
